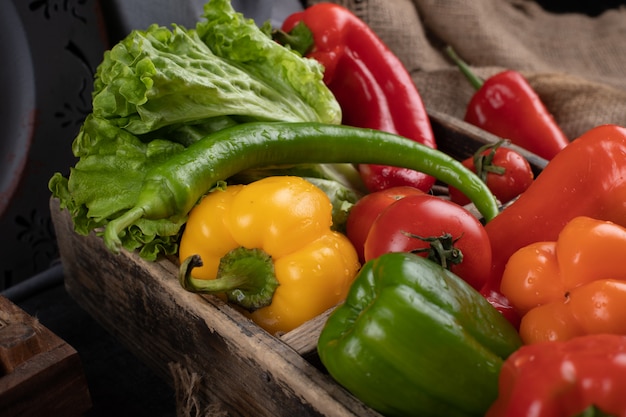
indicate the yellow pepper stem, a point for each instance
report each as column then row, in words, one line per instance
column 246, row 276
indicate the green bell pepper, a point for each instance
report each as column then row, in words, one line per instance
column 413, row 339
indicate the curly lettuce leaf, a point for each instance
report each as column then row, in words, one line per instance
column 299, row 81
column 226, row 66
column 107, row 179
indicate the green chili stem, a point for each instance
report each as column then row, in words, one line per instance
column 174, row 187
column 474, row 80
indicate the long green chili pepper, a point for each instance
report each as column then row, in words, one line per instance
column 175, row 186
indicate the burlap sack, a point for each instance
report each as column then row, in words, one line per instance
column 576, row 63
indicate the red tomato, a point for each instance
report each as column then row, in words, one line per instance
column 507, row 185
column 426, row 216
column 365, row 211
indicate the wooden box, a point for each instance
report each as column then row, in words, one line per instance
column 40, row 374
column 219, row 362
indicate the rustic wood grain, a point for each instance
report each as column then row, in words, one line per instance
column 40, row 374
column 303, row 339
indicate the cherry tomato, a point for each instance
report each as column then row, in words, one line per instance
column 505, row 171
column 407, row 224
column 365, row 211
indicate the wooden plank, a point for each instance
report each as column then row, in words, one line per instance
column 18, row 343
column 237, row 367
column 41, row 374
column 304, row 338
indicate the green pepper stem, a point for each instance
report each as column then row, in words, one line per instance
column 246, row 276
column 474, row 80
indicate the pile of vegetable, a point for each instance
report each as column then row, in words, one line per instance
column 292, row 170
column 161, row 90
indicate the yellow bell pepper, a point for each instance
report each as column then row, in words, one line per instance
column 269, row 247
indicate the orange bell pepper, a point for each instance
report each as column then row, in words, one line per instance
column 570, row 287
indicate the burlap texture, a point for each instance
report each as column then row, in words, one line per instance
column 576, row 63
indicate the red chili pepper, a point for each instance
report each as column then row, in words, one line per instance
column 564, row 379
column 371, row 84
column 507, row 106
column 587, row 178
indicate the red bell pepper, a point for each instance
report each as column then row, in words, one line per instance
column 507, row 106
column 564, row 379
column 371, row 84
column 587, row 178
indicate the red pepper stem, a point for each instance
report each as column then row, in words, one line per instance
column 593, row 411
column 246, row 276
column 474, row 80
column 300, row 38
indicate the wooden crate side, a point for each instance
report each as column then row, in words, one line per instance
column 238, row 368
column 40, row 374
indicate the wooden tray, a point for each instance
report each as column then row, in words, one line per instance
column 218, row 361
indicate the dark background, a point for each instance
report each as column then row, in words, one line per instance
column 589, row 7
column 66, row 39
